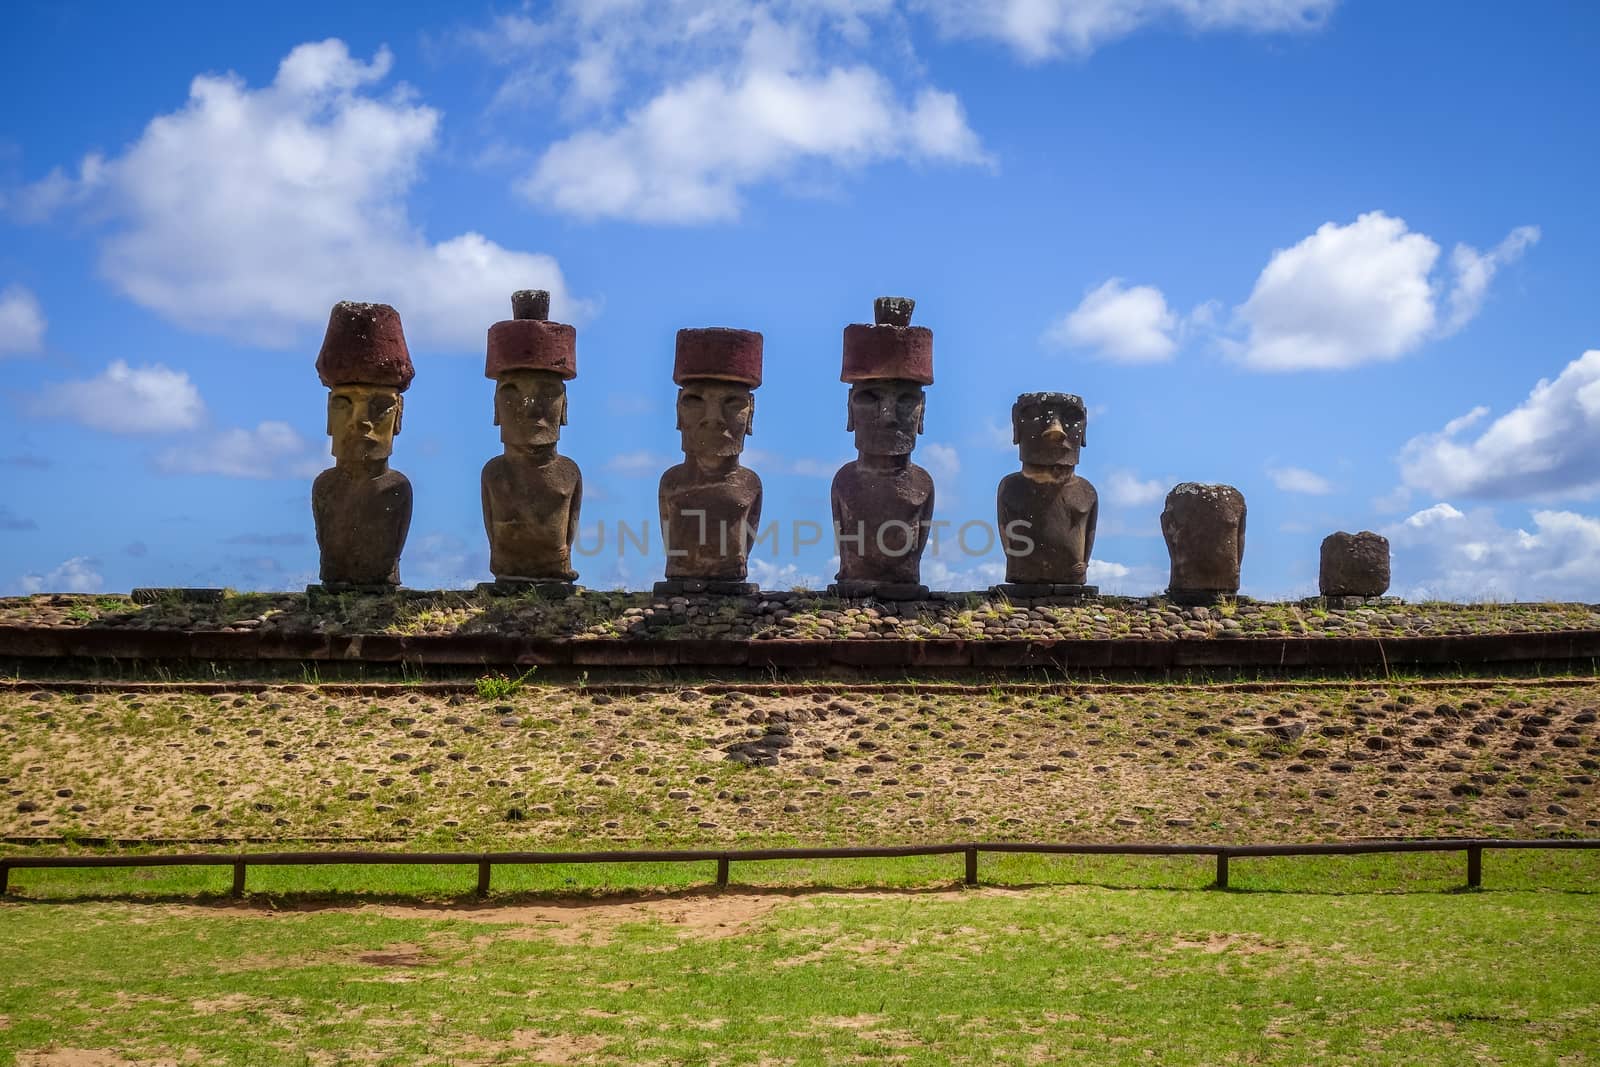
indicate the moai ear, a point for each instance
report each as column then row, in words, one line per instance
column 563, row 406
column 922, row 409
column 1016, row 432
column 750, row 420
column 399, row 410
column 850, row 412
column 330, row 413
column 679, row 414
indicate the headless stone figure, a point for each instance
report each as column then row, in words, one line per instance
column 531, row 494
column 710, row 505
column 883, row 502
column 1204, row 530
column 1047, row 513
column 361, row 508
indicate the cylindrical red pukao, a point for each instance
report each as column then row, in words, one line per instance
column 719, row 353
column 364, row 345
column 529, row 342
column 890, row 348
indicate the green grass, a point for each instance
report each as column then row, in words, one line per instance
column 1050, row 974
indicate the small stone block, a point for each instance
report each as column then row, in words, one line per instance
column 156, row 594
column 1023, row 590
column 721, row 587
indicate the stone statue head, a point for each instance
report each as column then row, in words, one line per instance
column 715, row 416
column 530, row 406
column 362, row 420
column 886, row 415
column 1049, row 428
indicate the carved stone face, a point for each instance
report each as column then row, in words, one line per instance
column 886, row 416
column 530, row 407
column 714, row 417
column 362, row 420
column 1049, row 429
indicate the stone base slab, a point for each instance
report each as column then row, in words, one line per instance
column 859, row 590
column 342, row 588
column 546, row 589
column 1044, row 591
column 1204, row 598
column 182, row 594
column 1346, row 602
column 705, row 587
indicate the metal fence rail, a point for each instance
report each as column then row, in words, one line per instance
column 724, row 858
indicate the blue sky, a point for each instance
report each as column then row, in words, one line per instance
column 1340, row 255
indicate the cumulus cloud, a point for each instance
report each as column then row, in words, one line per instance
column 1126, row 489
column 1299, row 480
column 1126, row 325
column 942, row 461
column 1442, row 552
column 681, row 106
column 22, row 322
column 1547, row 446
column 271, row 450
column 76, row 575
column 249, row 211
column 1038, row 30
column 1362, row 293
column 122, row 399
column 1474, row 271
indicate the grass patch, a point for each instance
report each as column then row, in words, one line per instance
column 1055, row 974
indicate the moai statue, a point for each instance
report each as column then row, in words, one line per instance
column 1204, row 529
column 882, row 502
column 1047, row 513
column 1354, row 565
column 362, row 508
column 711, row 505
column 531, row 493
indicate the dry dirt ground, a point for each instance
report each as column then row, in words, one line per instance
column 549, row 764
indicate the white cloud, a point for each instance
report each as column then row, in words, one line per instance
column 249, row 212
column 22, row 322
column 942, row 461
column 1474, row 271
column 1126, row 489
column 683, row 106
column 1299, row 480
column 1361, row 293
column 764, row 462
column 271, row 450
column 1043, row 29
column 76, row 575
column 1547, row 446
column 123, row 399
column 769, row 575
column 1441, row 552
column 937, row 574
column 1121, row 324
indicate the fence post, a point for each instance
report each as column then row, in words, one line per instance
column 238, row 877
column 483, row 876
column 722, row 872
column 1474, row 866
column 972, row 865
column 1222, row 871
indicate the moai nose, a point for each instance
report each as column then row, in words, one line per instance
column 1054, row 433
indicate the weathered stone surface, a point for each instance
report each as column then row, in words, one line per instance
column 361, row 508
column 882, row 502
column 1204, row 530
column 531, row 494
column 710, row 505
column 1354, row 565
column 1047, row 514
column 364, row 345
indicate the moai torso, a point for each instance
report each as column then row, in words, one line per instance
column 1204, row 529
column 361, row 525
column 892, row 505
column 709, row 521
column 530, row 512
column 1058, row 515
